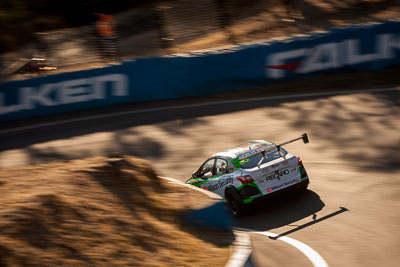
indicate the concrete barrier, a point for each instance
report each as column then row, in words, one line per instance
column 369, row 47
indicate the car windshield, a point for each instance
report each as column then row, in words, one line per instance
column 252, row 161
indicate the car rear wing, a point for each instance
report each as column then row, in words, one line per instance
column 304, row 137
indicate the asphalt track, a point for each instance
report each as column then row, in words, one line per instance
column 350, row 215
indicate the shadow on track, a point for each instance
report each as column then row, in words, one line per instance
column 282, row 210
column 315, row 220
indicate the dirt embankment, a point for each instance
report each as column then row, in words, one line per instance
column 90, row 213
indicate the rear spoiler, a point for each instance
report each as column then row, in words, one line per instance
column 304, row 137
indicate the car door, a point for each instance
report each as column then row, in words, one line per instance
column 221, row 178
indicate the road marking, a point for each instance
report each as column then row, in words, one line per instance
column 310, row 253
column 131, row 112
column 242, row 250
column 242, row 244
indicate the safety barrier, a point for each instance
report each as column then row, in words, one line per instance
column 369, row 47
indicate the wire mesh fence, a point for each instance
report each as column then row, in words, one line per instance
column 150, row 30
column 186, row 20
column 175, row 26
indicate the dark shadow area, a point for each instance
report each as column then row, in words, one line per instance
column 314, row 221
column 141, row 147
column 217, row 237
column 281, row 210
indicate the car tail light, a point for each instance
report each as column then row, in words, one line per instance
column 245, row 179
column 300, row 161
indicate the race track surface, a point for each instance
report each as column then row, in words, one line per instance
column 351, row 212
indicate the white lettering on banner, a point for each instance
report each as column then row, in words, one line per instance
column 280, row 58
column 354, row 56
column 330, row 55
column 67, row 92
column 74, row 91
column 8, row 109
column 120, row 82
column 324, row 56
column 29, row 95
column 387, row 45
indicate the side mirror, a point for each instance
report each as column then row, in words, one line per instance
column 304, row 136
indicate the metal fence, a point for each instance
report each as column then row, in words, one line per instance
column 151, row 30
column 171, row 26
column 184, row 20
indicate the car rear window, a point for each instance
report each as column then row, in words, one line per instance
column 252, row 161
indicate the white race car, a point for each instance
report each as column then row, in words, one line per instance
column 251, row 171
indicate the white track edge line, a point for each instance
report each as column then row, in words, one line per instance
column 194, row 105
column 243, row 253
column 309, row 252
column 242, row 250
column 242, row 245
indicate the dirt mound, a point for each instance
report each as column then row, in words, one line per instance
column 101, row 212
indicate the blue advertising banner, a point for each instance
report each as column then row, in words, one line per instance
column 370, row 47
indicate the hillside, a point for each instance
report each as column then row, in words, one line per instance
column 90, row 213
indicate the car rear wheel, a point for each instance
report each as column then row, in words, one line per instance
column 235, row 203
column 302, row 188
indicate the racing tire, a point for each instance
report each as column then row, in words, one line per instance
column 235, row 203
column 303, row 189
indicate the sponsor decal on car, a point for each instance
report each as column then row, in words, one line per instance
column 220, row 184
column 265, row 170
column 277, row 175
column 253, row 152
column 277, row 187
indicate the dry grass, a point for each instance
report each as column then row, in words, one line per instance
column 89, row 213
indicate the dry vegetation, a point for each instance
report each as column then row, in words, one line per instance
column 90, row 213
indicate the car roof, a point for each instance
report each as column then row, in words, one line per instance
column 244, row 148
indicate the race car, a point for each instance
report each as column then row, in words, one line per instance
column 250, row 172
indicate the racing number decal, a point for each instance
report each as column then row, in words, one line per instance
column 244, row 161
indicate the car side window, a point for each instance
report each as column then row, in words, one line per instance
column 220, row 167
column 206, row 170
column 231, row 167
